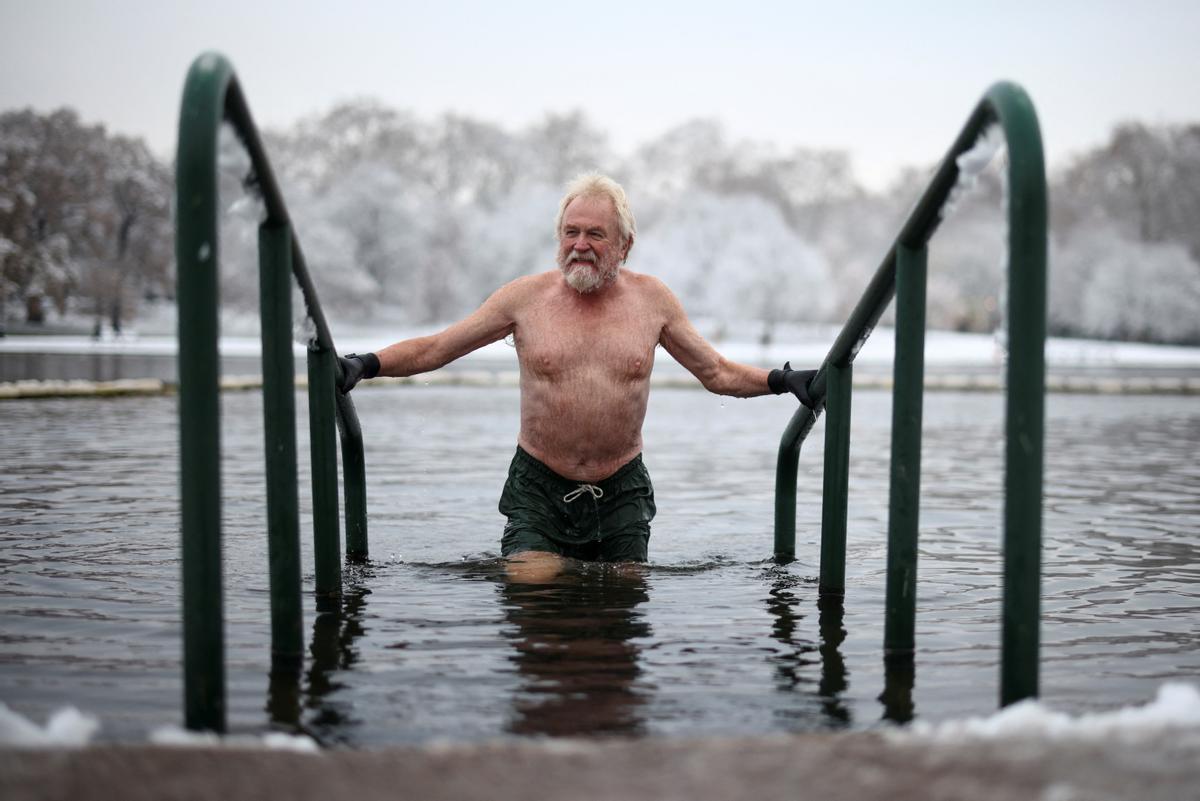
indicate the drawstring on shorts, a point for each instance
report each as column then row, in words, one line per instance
column 591, row 489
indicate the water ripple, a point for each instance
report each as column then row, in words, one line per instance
column 431, row 640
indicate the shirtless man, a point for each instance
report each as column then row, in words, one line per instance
column 585, row 337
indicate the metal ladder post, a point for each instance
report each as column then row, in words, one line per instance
column 326, row 547
column 836, row 491
column 905, row 492
column 279, row 426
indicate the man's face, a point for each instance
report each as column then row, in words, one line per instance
column 590, row 249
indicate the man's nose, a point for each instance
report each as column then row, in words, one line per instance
column 581, row 243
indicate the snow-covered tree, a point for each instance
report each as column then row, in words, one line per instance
column 1107, row 286
column 733, row 258
column 417, row 220
column 83, row 217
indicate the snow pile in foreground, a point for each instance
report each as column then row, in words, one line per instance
column 277, row 741
column 70, row 728
column 1177, row 706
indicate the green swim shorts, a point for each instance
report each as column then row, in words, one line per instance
column 605, row 522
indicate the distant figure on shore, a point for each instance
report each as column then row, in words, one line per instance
column 585, row 337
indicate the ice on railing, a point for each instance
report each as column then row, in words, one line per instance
column 304, row 331
column 234, row 164
column 971, row 164
column 232, row 158
column 862, row 340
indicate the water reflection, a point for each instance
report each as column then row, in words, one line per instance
column 834, row 683
column 575, row 649
column 899, row 676
column 292, row 691
column 792, row 666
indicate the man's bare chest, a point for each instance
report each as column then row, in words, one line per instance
column 616, row 344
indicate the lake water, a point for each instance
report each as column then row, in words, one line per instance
column 430, row 641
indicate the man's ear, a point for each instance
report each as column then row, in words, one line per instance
column 628, row 247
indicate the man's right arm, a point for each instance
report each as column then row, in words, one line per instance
column 492, row 321
column 716, row 373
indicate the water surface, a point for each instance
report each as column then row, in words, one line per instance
column 431, row 641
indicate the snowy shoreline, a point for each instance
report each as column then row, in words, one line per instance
column 941, row 348
column 953, row 362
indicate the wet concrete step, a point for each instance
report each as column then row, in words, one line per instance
column 846, row 767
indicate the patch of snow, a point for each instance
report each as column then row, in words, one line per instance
column 1177, row 706
column 70, row 728
column 175, row 736
column 66, row 728
column 281, row 741
column 274, row 741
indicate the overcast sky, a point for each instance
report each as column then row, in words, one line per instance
column 891, row 83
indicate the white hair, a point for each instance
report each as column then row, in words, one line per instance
column 594, row 184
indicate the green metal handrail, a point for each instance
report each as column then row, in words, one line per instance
column 902, row 274
column 212, row 96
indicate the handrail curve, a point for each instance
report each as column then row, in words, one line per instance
column 1007, row 105
column 212, row 95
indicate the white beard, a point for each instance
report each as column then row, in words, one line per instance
column 586, row 276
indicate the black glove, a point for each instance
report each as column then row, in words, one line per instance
column 356, row 367
column 793, row 381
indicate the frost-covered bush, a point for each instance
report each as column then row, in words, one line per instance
column 415, row 221
column 1129, row 290
column 733, row 257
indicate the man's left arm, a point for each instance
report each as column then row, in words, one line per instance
column 718, row 374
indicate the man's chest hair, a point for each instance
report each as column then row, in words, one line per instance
column 623, row 346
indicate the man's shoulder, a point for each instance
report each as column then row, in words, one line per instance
column 534, row 282
column 644, row 282
column 527, row 287
column 648, row 286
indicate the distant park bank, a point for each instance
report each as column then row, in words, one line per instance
column 79, row 366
